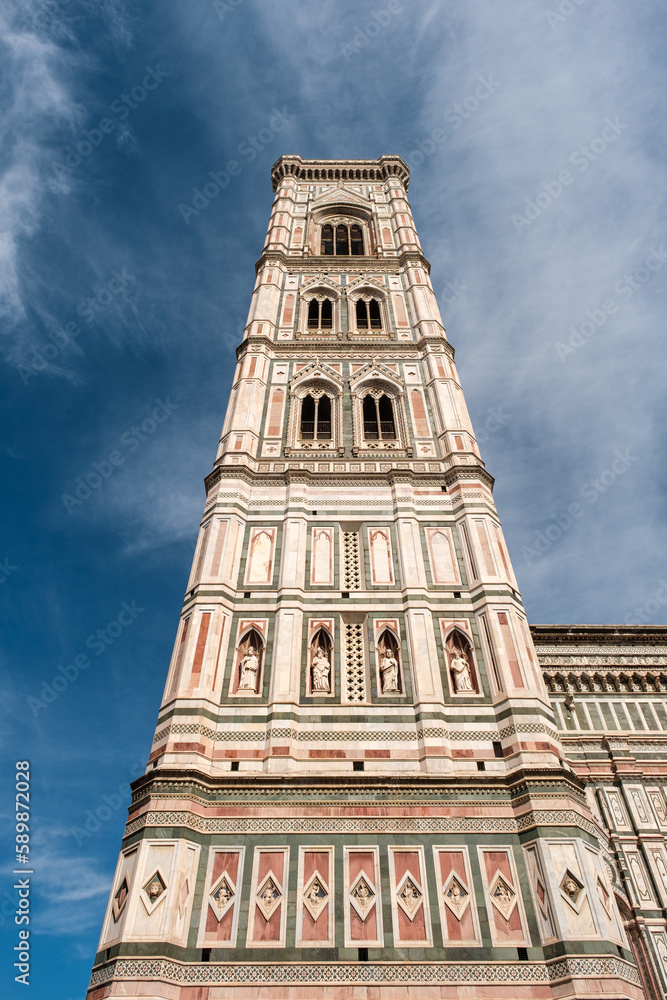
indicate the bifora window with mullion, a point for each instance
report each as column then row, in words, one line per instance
column 316, row 418
column 342, row 240
column 320, row 314
column 379, row 424
column 368, row 315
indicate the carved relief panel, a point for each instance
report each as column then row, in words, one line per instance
column 361, row 898
column 267, row 915
column 502, row 895
column 315, row 898
column 456, row 897
column 222, row 896
column 409, row 897
column 163, row 894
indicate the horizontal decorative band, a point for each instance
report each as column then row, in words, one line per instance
column 360, row 824
column 299, row 973
column 353, row 736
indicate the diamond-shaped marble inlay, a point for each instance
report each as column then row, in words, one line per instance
column 572, row 889
column 269, row 895
column 456, row 895
column 605, row 896
column 502, row 895
column 541, row 894
column 120, row 898
column 362, row 895
column 222, row 895
column 409, row 895
column 315, row 895
column 154, row 890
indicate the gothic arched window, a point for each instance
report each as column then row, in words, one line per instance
column 368, row 314
column 320, row 314
column 379, row 422
column 315, row 424
column 342, row 240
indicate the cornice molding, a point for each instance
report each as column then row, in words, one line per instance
column 300, row 261
column 345, row 349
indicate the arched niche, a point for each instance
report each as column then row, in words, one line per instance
column 461, row 669
column 389, row 663
column 320, row 663
column 248, row 663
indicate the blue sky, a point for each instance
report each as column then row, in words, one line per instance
column 536, row 140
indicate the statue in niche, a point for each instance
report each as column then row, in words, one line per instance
column 321, row 670
column 249, row 667
column 389, row 671
column 460, row 669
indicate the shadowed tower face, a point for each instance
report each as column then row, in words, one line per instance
column 356, row 778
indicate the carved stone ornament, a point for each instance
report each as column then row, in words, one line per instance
column 120, row 898
column 269, row 895
column 315, row 895
column 362, row 895
column 456, row 895
column 502, row 895
column 222, row 895
column 572, row 890
column 249, row 668
column 460, row 669
column 659, row 806
column 389, row 672
column 640, row 881
column 321, row 671
column 639, row 805
column 409, row 896
column 154, row 890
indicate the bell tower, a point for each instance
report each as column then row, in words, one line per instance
column 356, row 780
